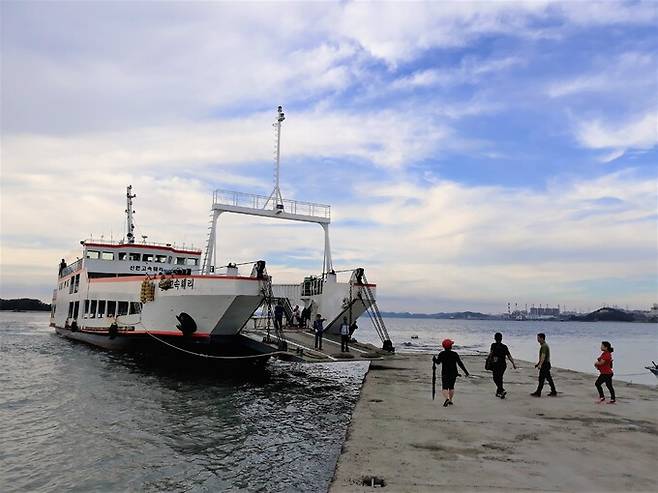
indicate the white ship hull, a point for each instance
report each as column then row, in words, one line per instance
column 218, row 305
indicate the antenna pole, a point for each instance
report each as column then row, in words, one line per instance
column 130, row 236
column 275, row 196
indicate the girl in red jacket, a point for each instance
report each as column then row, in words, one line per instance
column 604, row 365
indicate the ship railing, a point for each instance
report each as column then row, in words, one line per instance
column 155, row 244
column 262, row 202
column 69, row 269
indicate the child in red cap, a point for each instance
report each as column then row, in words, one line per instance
column 450, row 360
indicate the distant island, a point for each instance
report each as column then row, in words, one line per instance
column 451, row 315
column 24, row 305
column 604, row 314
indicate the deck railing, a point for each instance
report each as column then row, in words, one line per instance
column 260, row 202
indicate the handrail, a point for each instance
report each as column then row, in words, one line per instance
column 150, row 243
column 254, row 201
column 69, row 269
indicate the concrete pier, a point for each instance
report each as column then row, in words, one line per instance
column 482, row 443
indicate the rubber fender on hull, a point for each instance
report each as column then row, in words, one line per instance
column 186, row 325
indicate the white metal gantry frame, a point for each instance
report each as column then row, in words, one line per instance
column 274, row 206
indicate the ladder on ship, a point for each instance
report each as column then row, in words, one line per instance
column 368, row 299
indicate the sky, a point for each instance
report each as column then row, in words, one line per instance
column 473, row 153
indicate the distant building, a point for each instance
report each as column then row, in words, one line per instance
column 544, row 311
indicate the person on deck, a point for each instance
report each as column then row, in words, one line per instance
column 318, row 328
column 295, row 316
column 544, row 365
column 278, row 316
column 344, row 336
column 604, row 365
column 449, row 359
column 498, row 354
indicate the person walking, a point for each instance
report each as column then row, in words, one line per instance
column 449, row 359
column 344, row 336
column 498, row 354
column 318, row 329
column 544, row 365
column 604, row 365
column 278, row 316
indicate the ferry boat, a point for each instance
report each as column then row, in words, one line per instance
column 128, row 295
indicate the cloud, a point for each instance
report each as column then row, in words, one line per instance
column 470, row 71
column 627, row 72
column 639, row 133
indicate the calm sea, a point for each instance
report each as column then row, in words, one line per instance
column 574, row 345
column 73, row 418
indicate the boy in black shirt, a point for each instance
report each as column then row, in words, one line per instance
column 450, row 360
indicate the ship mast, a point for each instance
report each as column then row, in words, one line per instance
column 130, row 236
column 275, row 196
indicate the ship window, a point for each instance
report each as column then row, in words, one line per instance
column 71, row 283
column 92, row 309
column 77, row 283
column 101, row 308
column 123, row 256
column 111, row 308
column 93, row 254
column 148, row 257
column 191, row 261
column 161, row 258
column 84, row 315
column 70, row 309
column 169, row 259
column 76, row 309
column 107, row 255
column 180, row 260
column 135, row 307
column 122, row 308
column 134, row 256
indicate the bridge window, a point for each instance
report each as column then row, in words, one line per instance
column 148, row 257
column 135, row 307
column 180, row 260
column 93, row 254
column 123, row 256
column 191, row 261
column 111, row 308
column 161, row 259
column 107, row 255
column 122, row 308
column 101, row 308
column 133, row 256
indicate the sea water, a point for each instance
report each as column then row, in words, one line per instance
column 75, row 418
column 574, row 345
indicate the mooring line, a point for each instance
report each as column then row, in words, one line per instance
column 201, row 355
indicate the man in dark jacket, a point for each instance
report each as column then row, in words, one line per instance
column 318, row 328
